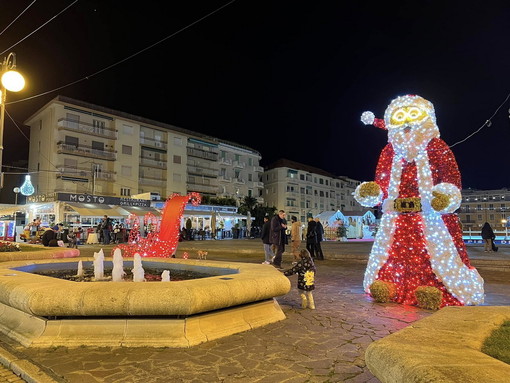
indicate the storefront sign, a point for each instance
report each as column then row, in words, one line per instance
column 104, row 200
column 50, row 197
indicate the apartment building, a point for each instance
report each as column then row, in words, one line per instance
column 78, row 147
column 480, row 206
column 301, row 190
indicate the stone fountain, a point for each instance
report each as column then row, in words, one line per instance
column 41, row 311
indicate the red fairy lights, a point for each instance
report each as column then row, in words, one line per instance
column 162, row 237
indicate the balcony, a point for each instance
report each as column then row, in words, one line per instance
column 199, row 153
column 258, row 184
column 85, row 173
column 239, row 164
column 88, row 129
column 86, row 151
column 239, row 181
column 152, row 143
column 224, row 179
column 260, row 200
column 201, row 188
column 150, row 162
column 225, row 161
column 202, row 171
column 144, row 180
column 258, row 169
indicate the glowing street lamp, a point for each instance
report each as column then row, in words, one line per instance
column 13, row 81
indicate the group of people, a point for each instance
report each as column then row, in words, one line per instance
column 274, row 239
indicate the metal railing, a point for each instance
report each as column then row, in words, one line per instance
column 81, row 127
column 87, row 151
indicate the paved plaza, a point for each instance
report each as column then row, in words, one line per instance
column 322, row 345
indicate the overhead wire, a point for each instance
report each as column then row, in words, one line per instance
column 126, row 58
column 31, row 33
column 13, row 21
column 487, row 123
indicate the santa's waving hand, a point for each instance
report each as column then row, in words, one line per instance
column 419, row 241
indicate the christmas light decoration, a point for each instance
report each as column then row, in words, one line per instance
column 162, row 242
column 27, row 188
column 419, row 241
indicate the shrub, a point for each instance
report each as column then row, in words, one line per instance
column 428, row 297
column 6, row 246
column 382, row 291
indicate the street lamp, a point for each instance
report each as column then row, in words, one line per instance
column 12, row 81
column 16, row 191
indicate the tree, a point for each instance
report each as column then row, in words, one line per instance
column 247, row 205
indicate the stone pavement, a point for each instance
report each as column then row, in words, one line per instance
column 322, row 345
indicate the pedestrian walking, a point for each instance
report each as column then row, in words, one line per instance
column 305, row 270
column 277, row 237
column 106, row 227
column 488, row 237
column 295, row 237
column 311, row 237
column 320, row 237
column 266, row 230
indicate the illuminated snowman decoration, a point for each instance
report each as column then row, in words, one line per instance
column 418, row 185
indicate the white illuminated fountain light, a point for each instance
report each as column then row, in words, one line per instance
column 118, row 266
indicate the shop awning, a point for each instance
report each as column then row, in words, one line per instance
column 140, row 210
column 96, row 210
column 10, row 210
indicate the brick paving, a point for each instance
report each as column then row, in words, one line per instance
column 322, row 345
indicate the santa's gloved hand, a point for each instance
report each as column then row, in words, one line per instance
column 440, row 201
column 369, row 189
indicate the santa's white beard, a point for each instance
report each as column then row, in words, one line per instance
column 409, row 144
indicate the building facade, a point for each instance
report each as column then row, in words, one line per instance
column 480, row 206
column 78, row 147
column 302, row 190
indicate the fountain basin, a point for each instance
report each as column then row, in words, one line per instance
column 41, row 311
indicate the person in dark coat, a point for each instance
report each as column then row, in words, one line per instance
column 487, row 236
column 311, row 237
column 266, row 230
column 320, row 236
column 49, row 235
column 277, row 237
column 305, row 269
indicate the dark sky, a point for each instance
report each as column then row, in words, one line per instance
column 287, row 78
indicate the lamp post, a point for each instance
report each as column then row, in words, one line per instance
column 13, row 81
column 16, row 191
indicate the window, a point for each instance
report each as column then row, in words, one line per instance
column 321, row 193
column 177, row 178
column 302, row 177
column 250, row 161
column 250, row 177
column 126, row 171
column 96, row 145
column 177, row 159
column 129, row 130
column 125, row 192
column 98, row 126
column 70, row 140
column 177, row 141
column 223, row 154
column 250, row 193
column 237, row 157
column 237, row 173
column 127, row 149
column 321, row 181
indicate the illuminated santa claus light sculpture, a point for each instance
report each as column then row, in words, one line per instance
column 417, row 184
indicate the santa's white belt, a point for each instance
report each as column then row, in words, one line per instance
column 407, row 205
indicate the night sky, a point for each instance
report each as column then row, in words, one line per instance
column 287, row 78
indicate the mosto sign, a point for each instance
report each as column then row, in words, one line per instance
column 104, row 200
